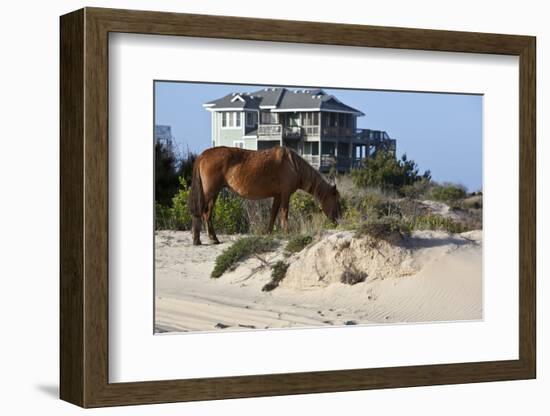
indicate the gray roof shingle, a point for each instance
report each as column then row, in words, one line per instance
column 280, row 99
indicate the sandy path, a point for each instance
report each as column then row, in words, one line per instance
column 447, row 286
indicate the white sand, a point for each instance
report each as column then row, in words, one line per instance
column 433, row 277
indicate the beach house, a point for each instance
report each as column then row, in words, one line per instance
column 317, row 125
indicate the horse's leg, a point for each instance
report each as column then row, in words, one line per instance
column 274, row 212
column 208, row 222
column 196, row 227
column 285, row 199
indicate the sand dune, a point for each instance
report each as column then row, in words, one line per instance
column 432, row 276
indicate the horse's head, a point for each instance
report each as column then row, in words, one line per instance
column 331, row 204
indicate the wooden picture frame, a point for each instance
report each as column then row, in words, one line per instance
column 84, row 207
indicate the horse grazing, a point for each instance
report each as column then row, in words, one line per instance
column 274, row 173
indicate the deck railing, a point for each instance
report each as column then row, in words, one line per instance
column 292, row 132
column 311, row 130
column 325, row 162
column 277, row 131
column 270, row 130
column 338, row 132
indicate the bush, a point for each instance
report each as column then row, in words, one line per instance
column 473, row 202
column 305, row 216
column 352, row 277
column 185, row 166
column 230, row 214
column 383, row 208
column 166, row 175
column 278, row 273
column 298, row 243
column 303, row 204
column 241, row 250
column 437, row 222
column 417, row 190
column 387, row 173
column 164, row 217
column 389, row 229
column 449, row 193
column 180, row 211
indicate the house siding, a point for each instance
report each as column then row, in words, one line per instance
column 226, row 136
column 251, row 144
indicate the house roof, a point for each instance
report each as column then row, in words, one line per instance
column 280, row 100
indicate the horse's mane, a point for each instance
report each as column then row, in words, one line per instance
column 310, row 180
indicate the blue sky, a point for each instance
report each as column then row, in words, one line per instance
column 441, row 132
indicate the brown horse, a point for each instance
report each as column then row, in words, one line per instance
column 274, row 173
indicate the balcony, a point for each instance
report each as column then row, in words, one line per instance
column 278, row 131
column 325, row 162
column 339, row 132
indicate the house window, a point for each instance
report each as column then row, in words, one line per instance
column 269, row 118
column 231, row 119
column 239, row 144
column 311, row 119
column 311, row 148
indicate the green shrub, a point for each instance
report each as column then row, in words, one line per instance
column 185, row 168
column 230, row 214
column 180, row 210
column 473, row 202
column 305, row 216
column 298, row 243
column 164, row 217
column 387, row 228
column 449, row 193
column 386, row 172
column 371, row 204
column 166, row 175
column 303, row 204
column 351, row 217
column 241, row 250
column 437, row 222
column 352, row 277
column 417, row 190
column 278, row 273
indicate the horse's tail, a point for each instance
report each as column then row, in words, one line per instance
column 196, row 196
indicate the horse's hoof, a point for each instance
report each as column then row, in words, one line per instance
column 216, row 242
column 197, row 243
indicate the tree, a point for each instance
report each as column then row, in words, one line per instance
column 185, row 168
column 166, row 172
column 388, row 173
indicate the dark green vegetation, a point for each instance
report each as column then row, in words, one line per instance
column 389, row 229
column 352, row 277
column 171, row 166
column 278, row 273
column 240, row 250
column 448, row 193
column 297, row 243
column 386, row 172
